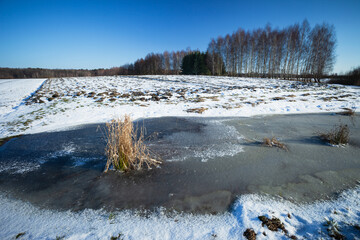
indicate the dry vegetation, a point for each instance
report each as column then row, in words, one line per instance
column 338, row 136
column 125, row 150
column 197, row 110
column 5, row 140
column 273, row 142
column 347, row 112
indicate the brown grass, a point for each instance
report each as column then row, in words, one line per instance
column 6, row 139
column 125, row 150
column 278, row 98
column 273, row 142
column 198, row 99
column 197, row 110
column 339, row 135
column 347, row 112
column 213, row 98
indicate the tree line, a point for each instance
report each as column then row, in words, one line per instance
column 297, row 51
column 294, row 52
column 153, row 63
column 350, row 78
column 10, row 73
column 158, row 63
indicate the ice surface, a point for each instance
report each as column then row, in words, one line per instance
column 216, row 140
column 200, row 173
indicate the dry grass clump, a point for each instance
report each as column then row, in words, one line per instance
column 278, row 98
column 125, row 150
column 197, row 110
column 199, row 99
column 347, row 112
column 273, row 142
column 6, row 139
column 339, row 135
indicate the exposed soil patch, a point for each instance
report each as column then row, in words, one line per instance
column 274, row 224
column 250, row 234
column 278, row 98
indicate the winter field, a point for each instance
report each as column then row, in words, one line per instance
column 39, row 105
column 67, row 102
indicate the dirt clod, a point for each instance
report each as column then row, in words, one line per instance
column 250, row 234
column 272, row 224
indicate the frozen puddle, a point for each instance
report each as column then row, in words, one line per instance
column 67, row 166
column 208, row 162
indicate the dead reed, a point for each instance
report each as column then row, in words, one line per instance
column 273, row 142
column 347, row 112
column 339, row 135
column 125, row 150
column 197, row 110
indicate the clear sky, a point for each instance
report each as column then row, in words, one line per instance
column 103, row 34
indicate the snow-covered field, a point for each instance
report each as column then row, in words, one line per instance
column 62, row 103
column 14, row 91
column 67, row 102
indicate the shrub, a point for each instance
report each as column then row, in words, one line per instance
column 339, row 135
column 125, row 150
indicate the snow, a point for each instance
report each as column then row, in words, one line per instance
column 14, row 91
column 24, row 111
column 306, row 221
column 99, row 99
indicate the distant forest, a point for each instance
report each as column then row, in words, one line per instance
column 9, row 73
column 294, row 52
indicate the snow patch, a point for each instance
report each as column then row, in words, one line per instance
column 301, row 220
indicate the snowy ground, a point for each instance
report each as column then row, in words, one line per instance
column 14, row 91
column 67, row 102
column 63, row 103
column 315, row 221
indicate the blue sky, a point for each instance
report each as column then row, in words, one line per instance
column 103, row 34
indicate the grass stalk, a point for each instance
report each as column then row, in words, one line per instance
column 338, row 136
